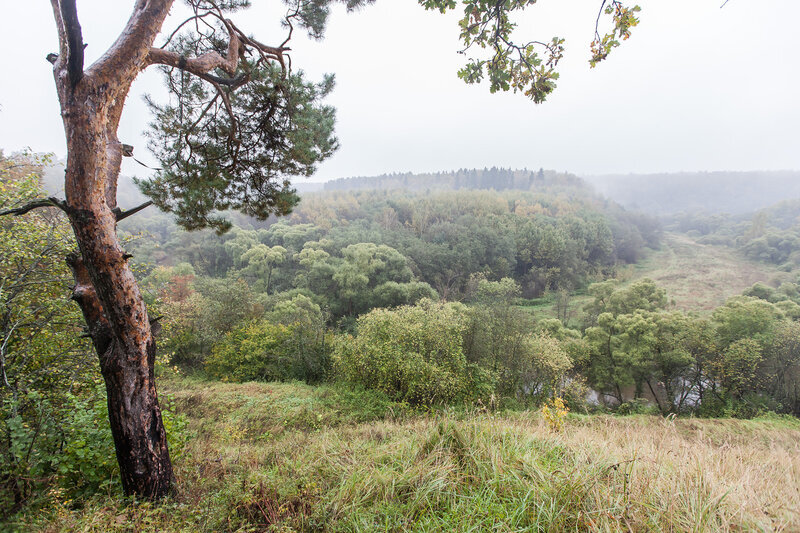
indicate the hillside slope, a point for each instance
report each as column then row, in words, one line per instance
column 288, row 457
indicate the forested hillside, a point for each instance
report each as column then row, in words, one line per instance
column 391, row 304
column 558, row 236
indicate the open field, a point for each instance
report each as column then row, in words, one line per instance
column 289, row 457
column 697, row 277
column 700, row 277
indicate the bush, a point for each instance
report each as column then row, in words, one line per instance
column 66, row 450
column 637, row 406
column 542, row 367
column 413, row 353
column 264, row 351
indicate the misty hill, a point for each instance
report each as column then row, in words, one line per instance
column 710, row 192
column 495, row 178
column 735, row 193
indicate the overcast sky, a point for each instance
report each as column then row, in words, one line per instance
column 695, row 88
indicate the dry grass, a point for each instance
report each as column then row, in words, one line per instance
column 700, row 277
column 697, row 277
column 458, row 471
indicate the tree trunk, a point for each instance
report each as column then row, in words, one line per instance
column 105, row 287
column 134, row 413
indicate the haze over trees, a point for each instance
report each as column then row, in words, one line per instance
column 710, row 193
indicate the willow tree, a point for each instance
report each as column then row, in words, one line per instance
column 239, row 123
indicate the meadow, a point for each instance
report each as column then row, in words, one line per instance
column 700, row 277
column 291, row 457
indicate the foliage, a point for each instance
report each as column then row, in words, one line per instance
column 319, row 458
column 624, row 19
column 39, row 348
column 61, row 447
column 359, row 250
column 262, row 350
column 746, row 318
column 199, row 311
column 499, row 338
column 440, row 353
column 770, row 235
column 65, row 447
column 554, row 412
column 530, row 66
column 781, row 366
column 413, row 354
column 742, row 362
column 54, row 437
column 237, row 156
column 44, row 363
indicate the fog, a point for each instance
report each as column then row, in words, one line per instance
column 696, row 88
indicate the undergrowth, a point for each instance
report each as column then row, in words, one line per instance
column 289, row 457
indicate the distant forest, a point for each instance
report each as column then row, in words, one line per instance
column 560, row 235
column 499, row 179
column 757, row 213
column 659, row 195
column 708, row 192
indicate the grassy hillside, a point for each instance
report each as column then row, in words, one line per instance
column 700, row 277
column 288, row 457
column 697, row 277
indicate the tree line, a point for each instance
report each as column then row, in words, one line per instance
column 770, row 235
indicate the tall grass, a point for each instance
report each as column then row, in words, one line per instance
column 284, row 457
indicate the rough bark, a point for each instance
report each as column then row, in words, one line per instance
column 105, row 288
column 134, row 413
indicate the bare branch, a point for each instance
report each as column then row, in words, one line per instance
column 122, row 215
column 202, row 64
column 44, row 202
column 74, row 38
column 181, row 25
column 597, row 21
column 62, row 41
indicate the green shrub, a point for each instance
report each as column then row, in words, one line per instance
column 413, row 353
column 637, row 406
column 264, row 351
column 64, row 450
